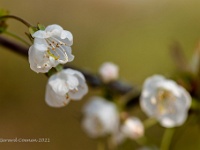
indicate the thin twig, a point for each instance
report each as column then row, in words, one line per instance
column 16, row 18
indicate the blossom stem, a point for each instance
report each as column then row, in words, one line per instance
column 16, row 18
column 149, row 122
column 167, row 138
column 17, row 37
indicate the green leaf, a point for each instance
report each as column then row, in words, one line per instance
column 41, row 27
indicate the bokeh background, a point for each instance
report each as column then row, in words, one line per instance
column 135, row 34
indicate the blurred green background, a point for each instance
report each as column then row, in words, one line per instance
column 135, row 34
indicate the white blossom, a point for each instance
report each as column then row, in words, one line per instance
column 64, row 86
column 165, row 100
column 51, row 47
column 100, row 117
column 133, row 128
column 108, row 72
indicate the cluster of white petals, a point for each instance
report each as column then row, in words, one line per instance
column 165, row 100
column 133, row 128
column 64, row 86
column 100, row 117
column 51, row 47
column 108, row 72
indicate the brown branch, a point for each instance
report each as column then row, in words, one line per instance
column 93, row 80
column 14, row 47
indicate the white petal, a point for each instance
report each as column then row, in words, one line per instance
column 66, row 40
column 53, row 99
column 74, row 72
column 69, row 53
column 58, row 85
column 186, row 98
column 36, row 59
column 93, row 104
column 40, row 44
column 81, row 91
column 66, row 34
column 167, row 122
column 89, row 124
column 72, row 82
column 109, row 117
column 40, row 34
column 152, row 81
column 52, row 27
column 54, row 31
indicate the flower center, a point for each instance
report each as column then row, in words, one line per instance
column 56, row 49
column 164, row 100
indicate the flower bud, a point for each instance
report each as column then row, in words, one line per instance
column 133, row 128
column 108, row 72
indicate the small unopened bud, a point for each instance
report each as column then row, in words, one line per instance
column 108, row 72
column 133, row 128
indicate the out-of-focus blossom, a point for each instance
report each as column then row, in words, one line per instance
column 51, row 47
column 133, row 128
column 64, row 86
column 108, row 72
column 165, row 100
column 100, row 117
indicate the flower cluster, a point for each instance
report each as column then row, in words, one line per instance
column 161, row 99
column 50, row 48
column 102, row 118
